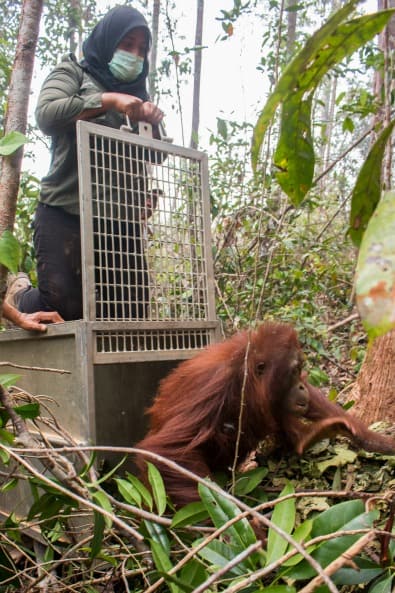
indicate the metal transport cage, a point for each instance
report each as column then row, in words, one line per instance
column 148, row 290
column 146, row 249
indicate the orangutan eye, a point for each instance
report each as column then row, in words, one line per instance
column 260, row 368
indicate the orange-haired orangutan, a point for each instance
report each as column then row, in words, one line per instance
column 253, row 380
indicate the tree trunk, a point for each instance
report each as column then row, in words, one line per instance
column 384, row 85
column 16, row 115
column 74, row 25
column 374, row 390
column 197, row 74
column 154, row 50
column 291, row 28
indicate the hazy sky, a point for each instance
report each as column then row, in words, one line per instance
column 230, row 85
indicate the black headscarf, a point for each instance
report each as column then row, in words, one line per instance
column 99, row 47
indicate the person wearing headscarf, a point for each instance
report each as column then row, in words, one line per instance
column 108, row 84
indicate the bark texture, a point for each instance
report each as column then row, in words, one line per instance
column 197, row 74
column 374, row 390
column 16, row 115
column 154, row 51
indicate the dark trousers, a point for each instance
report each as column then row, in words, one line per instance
column 57, row 243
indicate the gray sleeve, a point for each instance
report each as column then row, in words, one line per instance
column 61, row 101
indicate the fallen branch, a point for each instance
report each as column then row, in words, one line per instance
column 58, row 465
column 231, row 564
column 343, row 560
column 83, row 502
column 29, row 368
column 343, row 322
column 213, row 486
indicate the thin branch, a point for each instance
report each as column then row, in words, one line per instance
column 29, row 368
column 175, row 55
column 343, row 322
column 58, row 465
column 211, row 485
column 19, row 424
column 241, row 413
column 344, row 154
column 231, row 564
column 269, row 262
column 81, row 501
column 344, row 559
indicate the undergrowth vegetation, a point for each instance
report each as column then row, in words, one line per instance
column 285, row 524
column 275, row 261
column 282, row 527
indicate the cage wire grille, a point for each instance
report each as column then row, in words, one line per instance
column 145, row 240
column 113, row 342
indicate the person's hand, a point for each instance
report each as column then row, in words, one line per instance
column 133, row 107
column 150, row 113
column 127, row 104
column 37, row 321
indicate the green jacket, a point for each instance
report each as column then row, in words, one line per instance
column 66, row 92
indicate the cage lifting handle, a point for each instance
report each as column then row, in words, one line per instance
column 145, row 130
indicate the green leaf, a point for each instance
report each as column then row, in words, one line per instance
column 284, row 517
column 128, row 492
column 105, row 477
column 84, row 471
column 28, row 410
column 219, row 555
column 6, row 437
column 338, row 515
column 4, row 456
column 11, row 142
column 294, row 156
column 367, row 190
column 107, row 558
column 222, row 128
column 98, row 534
column 348, row 125
column 190, row 514
column 194, row 573
column 301, row 533
column 171, row 578
column 163, row 563
column 221, row 510
column 48, row 506
column 142, row 490
column 158, row 534
column 10, row 252
column 334, row 548
column 158, row 488
column 375, row 272
column 101, row 499
column 8, row 379
column 383, row 585
column 333, row 42
column 249, row 480
column 9, row 485
column 364, row 572
column 294, row 74
column 100, row 522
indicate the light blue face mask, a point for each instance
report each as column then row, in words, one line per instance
column 126, row 66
